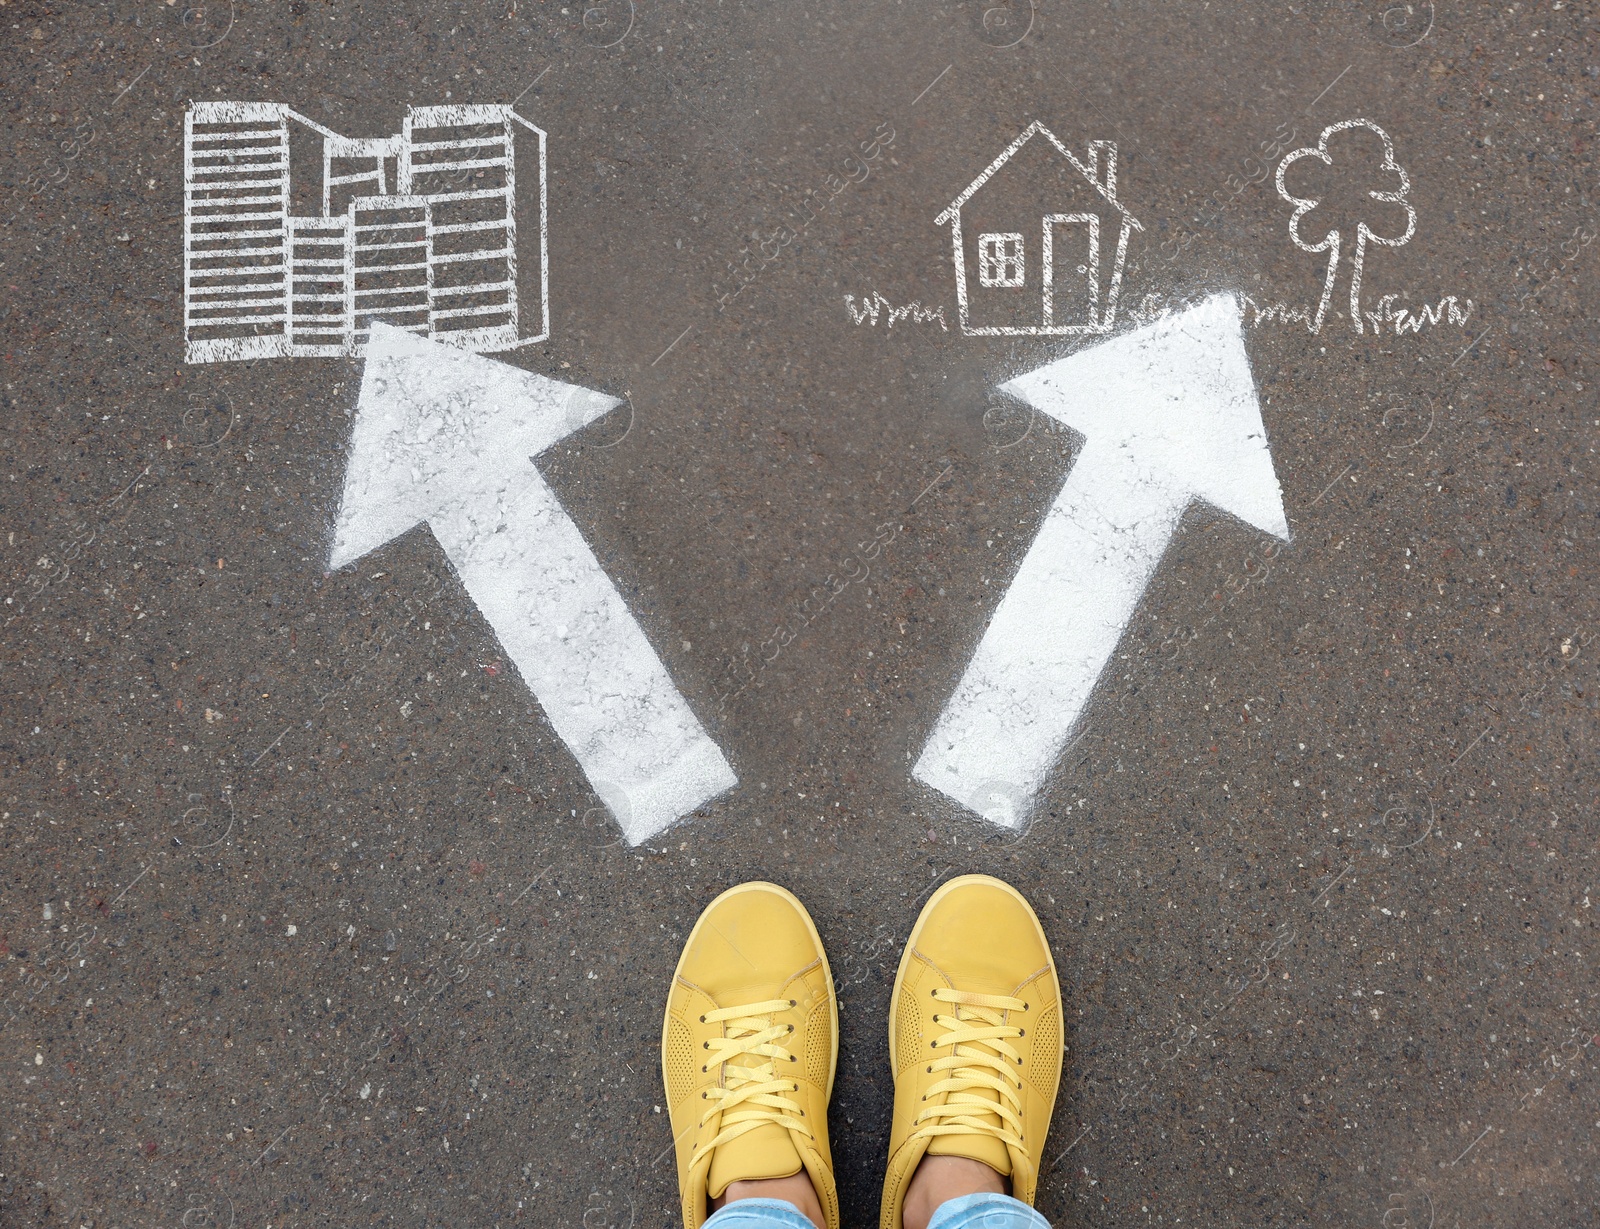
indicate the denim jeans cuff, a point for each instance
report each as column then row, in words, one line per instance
column 759, row 1214
column 985, row 1211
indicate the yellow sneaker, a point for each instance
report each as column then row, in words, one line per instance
column 748, row 1049
column 974, row 1039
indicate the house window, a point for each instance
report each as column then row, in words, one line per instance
column 999, row 260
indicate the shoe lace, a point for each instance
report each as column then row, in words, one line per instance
column 983, row 1082
column 750, row 1093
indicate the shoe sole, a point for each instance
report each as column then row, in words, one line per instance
column 761, row 885
column 916, row 931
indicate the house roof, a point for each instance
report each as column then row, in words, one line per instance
column 1027, row 135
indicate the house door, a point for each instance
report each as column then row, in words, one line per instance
column 1071, row 260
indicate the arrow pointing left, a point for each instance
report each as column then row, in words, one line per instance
column 448, row 438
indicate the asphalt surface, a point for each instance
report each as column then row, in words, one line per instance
column 307, row 915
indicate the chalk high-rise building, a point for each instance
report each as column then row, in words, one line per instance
column 418, row 230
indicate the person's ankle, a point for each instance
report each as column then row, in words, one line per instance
column 795, row 1189
column 942, row 1178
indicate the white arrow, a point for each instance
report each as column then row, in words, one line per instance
column 1169, row 415
column 448, row 437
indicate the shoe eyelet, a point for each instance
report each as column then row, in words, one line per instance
column 934, row 993
column 1024, row 1008
column 702, row 1019
column 791, row 1003
column 702, row 1066
column 703, row 1096
column 794, row 1058
column 1022, row 1032
column 930, row 1072
column 705, row 1045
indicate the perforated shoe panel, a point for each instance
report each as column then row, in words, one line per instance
column 1044, row 1063
column 682, row 1068
column 819, row 1049
column 908, row 1028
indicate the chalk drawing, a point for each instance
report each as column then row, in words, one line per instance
column 1411, row 319
column 1057, row 287
column 1170, row 415
column 1402, row 319
column 1000, row 261
column 447, row 438
column 870, row 308
column 418, row 230
column 1275, row 313
column 1331, row 241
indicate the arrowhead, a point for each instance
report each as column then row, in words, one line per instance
column 1178, row 397
column 439, row 428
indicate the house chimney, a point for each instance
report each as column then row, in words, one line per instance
column 1103, row 165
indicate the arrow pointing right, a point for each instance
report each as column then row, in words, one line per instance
column 448, row 437
column 1170, row 415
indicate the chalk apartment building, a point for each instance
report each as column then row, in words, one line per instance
column 1040, row 240
column 296, row 238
